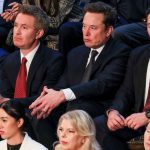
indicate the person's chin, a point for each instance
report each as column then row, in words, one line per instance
column 3, row 136
column 18, row 44
column 88, row 45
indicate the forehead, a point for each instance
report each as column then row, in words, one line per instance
column 25, row 19
column 93, row 18
column 3, row 113
column 66, row 123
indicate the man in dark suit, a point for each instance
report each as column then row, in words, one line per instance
column 44, row 65
column 130, row 111
column 133, row 32
column 93, row 95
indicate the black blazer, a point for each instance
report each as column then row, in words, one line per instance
column 46, row 68
column 130, row 97
column 107, row 74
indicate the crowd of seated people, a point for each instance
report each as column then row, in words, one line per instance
column 95, row 78
column 58, row 12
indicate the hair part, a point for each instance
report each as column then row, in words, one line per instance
column 15, row 110
column 39, row 15
column 110, row 14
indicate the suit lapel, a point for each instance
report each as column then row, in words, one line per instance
column 80, row 64
column 37, row 60
column 15, row 68
column 140, row 78
column 102, row 57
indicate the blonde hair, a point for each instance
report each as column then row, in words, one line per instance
column 84, row 125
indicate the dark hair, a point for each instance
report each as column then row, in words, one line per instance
column 40, row 16
column 110, row 14
column 15, row 110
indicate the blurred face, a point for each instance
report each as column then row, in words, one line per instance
column 148, row 24
column 25, row 35
column 9, row 127
column 95, row 33
column 68, row 136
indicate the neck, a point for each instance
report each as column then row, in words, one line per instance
column 16, row 139
column 26, row 51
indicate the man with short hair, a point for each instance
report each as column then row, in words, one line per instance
column 27, row 71
column 89, row 82
column 130, row 111
column 43, row 65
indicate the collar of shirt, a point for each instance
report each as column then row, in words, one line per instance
column 30, row 57
column 99, row 50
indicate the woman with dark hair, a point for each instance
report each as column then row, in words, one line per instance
column 12, row 123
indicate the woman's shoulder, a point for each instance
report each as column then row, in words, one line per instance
column 32, row 144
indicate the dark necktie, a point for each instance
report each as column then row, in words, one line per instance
column 20, row 87
column 147, row 104
column 88, row 69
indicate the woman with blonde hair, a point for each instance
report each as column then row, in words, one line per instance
column 76, row 131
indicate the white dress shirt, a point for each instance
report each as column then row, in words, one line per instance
column 30, row 57
column 147, row 81
column 69, row 94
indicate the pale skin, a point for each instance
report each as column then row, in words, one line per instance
column 134, row 121
column 48, row 100
column 95, row 34
column 69, row 138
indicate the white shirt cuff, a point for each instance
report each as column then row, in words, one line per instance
column 69, row 95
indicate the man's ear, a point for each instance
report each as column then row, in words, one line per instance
column 39, row 33
column 109, row 31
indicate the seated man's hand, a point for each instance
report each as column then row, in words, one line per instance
column 147, row 138
column 43, row 105
column 115, row 120
column 136, row 120
column 10, row 14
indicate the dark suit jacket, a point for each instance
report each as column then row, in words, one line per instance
column 46, row 68
column 130, row 97
column 107, row 74
column 131, row 11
